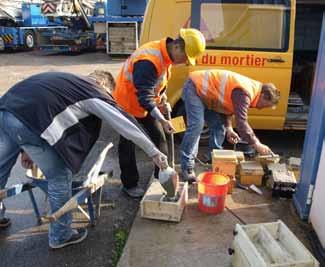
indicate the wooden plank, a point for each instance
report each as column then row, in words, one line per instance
column 122, row 34
column 122, row 47
column 122, row 38
column 36, row 172
column 97, row 183
column 79, row 198
column 70, row 205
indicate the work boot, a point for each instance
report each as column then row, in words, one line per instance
column 134, row 192
column 78, row 236
column 4, row 223
column 189, row 176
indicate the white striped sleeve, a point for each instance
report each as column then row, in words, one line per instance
column 120, row 124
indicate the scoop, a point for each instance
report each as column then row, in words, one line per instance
column 169, row 180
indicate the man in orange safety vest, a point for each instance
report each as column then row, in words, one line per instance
column 140, row 88
column 213, row 96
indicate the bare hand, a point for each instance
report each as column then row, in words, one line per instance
column 26, row 161
column 232, row 136
column 168, row 126
column 262, row 149
column 160, row 160
column 164, row 106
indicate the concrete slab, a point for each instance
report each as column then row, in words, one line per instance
column 201, row 239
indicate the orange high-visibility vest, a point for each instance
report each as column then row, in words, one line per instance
column 125, row 92
column 215, row 87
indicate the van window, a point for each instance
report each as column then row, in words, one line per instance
column 244, row 25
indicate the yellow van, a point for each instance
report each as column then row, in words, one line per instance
column 252, row 37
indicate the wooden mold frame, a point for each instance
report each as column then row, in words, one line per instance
column 153, row 206
column 224, row 162
column 251, row 172
column 269, row 245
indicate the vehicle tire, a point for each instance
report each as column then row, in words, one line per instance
column 29, row 40
column 179, row 110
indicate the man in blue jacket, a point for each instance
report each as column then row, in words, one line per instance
column 56, row 118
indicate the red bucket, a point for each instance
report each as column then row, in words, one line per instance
column 212, row 192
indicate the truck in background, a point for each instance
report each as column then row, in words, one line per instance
column 76, row 34
column 76, row 25
column 267, row 40
column 22, row 22
column 19, row 25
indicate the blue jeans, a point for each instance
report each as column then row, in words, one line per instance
column 196, row 114
column 14, row 136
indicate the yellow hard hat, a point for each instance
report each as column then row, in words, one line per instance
column 194, row 43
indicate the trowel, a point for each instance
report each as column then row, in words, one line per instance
column 169, row 180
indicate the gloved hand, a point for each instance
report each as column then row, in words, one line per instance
column 160, row 160
column 232, row 136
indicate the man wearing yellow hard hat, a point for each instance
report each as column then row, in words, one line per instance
column 140, row 89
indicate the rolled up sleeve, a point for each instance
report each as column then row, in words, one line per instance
column 241, row 102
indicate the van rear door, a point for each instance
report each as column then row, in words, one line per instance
column 251, row 37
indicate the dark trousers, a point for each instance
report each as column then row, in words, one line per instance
column 126, row 150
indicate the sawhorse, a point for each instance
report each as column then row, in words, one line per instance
column 82, row 191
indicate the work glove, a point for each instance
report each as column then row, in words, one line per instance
column 160, row 160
